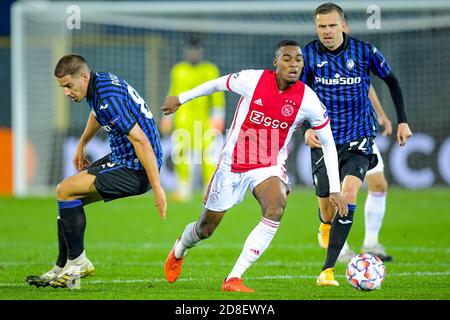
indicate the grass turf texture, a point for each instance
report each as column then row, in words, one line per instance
column 128, row 244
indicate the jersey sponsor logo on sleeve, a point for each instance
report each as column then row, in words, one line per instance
column 103, row 106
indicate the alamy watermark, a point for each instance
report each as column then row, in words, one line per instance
column 73, row 20
column 251, row 146
column 374, row 20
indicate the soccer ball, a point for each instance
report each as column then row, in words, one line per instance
column 366, row 272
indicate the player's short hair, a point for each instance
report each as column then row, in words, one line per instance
column 70, row 64
column 329, row 7
column 285, row 43
column 194, row 43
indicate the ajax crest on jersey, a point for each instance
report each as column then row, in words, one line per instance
column 366, row 272
column 287, row 110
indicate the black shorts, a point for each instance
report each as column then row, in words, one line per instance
column 354, row 160
column 114, row 181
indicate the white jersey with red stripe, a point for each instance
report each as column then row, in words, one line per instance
column 265, row 120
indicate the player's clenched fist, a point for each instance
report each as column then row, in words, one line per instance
column 171, row 105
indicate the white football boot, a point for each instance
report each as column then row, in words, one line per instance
column 74, row 270
column 44, row 279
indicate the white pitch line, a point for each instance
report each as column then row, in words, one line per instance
column 214, row 246
column 209, row 263
column 279, row 277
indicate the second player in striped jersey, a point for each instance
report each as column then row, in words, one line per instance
column 130, row 169
column 338, row 68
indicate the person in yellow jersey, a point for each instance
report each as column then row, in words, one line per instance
column 194, row 129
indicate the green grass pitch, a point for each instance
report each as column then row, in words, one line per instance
column 128, row 243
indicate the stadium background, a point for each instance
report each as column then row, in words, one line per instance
column 142, row 46
column 127, row 241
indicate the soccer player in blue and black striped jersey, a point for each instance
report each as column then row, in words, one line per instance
column 132, row 167
column 338, row 68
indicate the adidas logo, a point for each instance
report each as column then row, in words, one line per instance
column 258, row 102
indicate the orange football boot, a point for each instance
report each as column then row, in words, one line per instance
column 172, row 266
column 235, row 285
column 324, row 234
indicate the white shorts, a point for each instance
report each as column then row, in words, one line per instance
column 229, row 188
column 380, row 165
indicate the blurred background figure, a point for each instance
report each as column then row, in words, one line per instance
column 191, row 126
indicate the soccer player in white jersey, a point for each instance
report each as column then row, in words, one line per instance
column 272, row 107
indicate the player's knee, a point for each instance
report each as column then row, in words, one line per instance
column 63, row 191
column 381, row 185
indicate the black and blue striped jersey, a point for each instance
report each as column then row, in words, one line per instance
column 341, row 79
column 117, row 106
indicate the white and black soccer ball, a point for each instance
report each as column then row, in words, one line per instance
column 366, row 272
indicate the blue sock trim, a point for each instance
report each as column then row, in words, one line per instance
column 69, row 204
column 351, row 207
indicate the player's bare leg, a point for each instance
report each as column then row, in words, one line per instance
column 271, row 195
column 193, row 233
column 374, row 210
column 71, row 225
column 326, row 214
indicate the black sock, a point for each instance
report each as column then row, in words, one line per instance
column 340, row 228
column 73, row 223
column 62, row 247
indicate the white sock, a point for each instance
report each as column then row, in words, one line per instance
column 255, row 245
column 188, row 240
column 345, row 247
column 374, row 210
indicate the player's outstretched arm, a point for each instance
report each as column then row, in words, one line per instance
column 173, row 103
column 92, row 126
column 146, row 156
